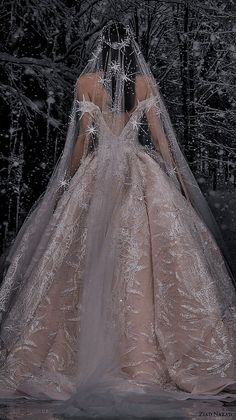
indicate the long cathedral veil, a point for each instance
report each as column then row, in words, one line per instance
column 112, row 74
column 27, row 247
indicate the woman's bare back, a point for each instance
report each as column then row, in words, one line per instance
column 90, row 88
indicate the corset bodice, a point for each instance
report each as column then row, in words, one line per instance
column 101, row 122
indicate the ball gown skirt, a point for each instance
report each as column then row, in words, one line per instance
column 172, row 298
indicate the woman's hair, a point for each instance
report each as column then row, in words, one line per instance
column 112, row 34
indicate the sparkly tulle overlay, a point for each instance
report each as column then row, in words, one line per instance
column 173, row 303
column 125, row 295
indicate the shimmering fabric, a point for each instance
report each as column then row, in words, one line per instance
column 173, row 303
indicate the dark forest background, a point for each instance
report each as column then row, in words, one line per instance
column 44, row 45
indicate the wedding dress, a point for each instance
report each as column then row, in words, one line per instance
column 117, row 283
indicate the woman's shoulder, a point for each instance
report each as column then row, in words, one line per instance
column 85, row 83
column 143, row 86
column 86, row 78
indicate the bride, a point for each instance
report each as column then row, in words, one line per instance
column 119, row 279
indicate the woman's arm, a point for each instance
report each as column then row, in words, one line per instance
column 81, row 93
column 79, row 145
column 78, row 149
column 158, row 135
column 146, row 90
